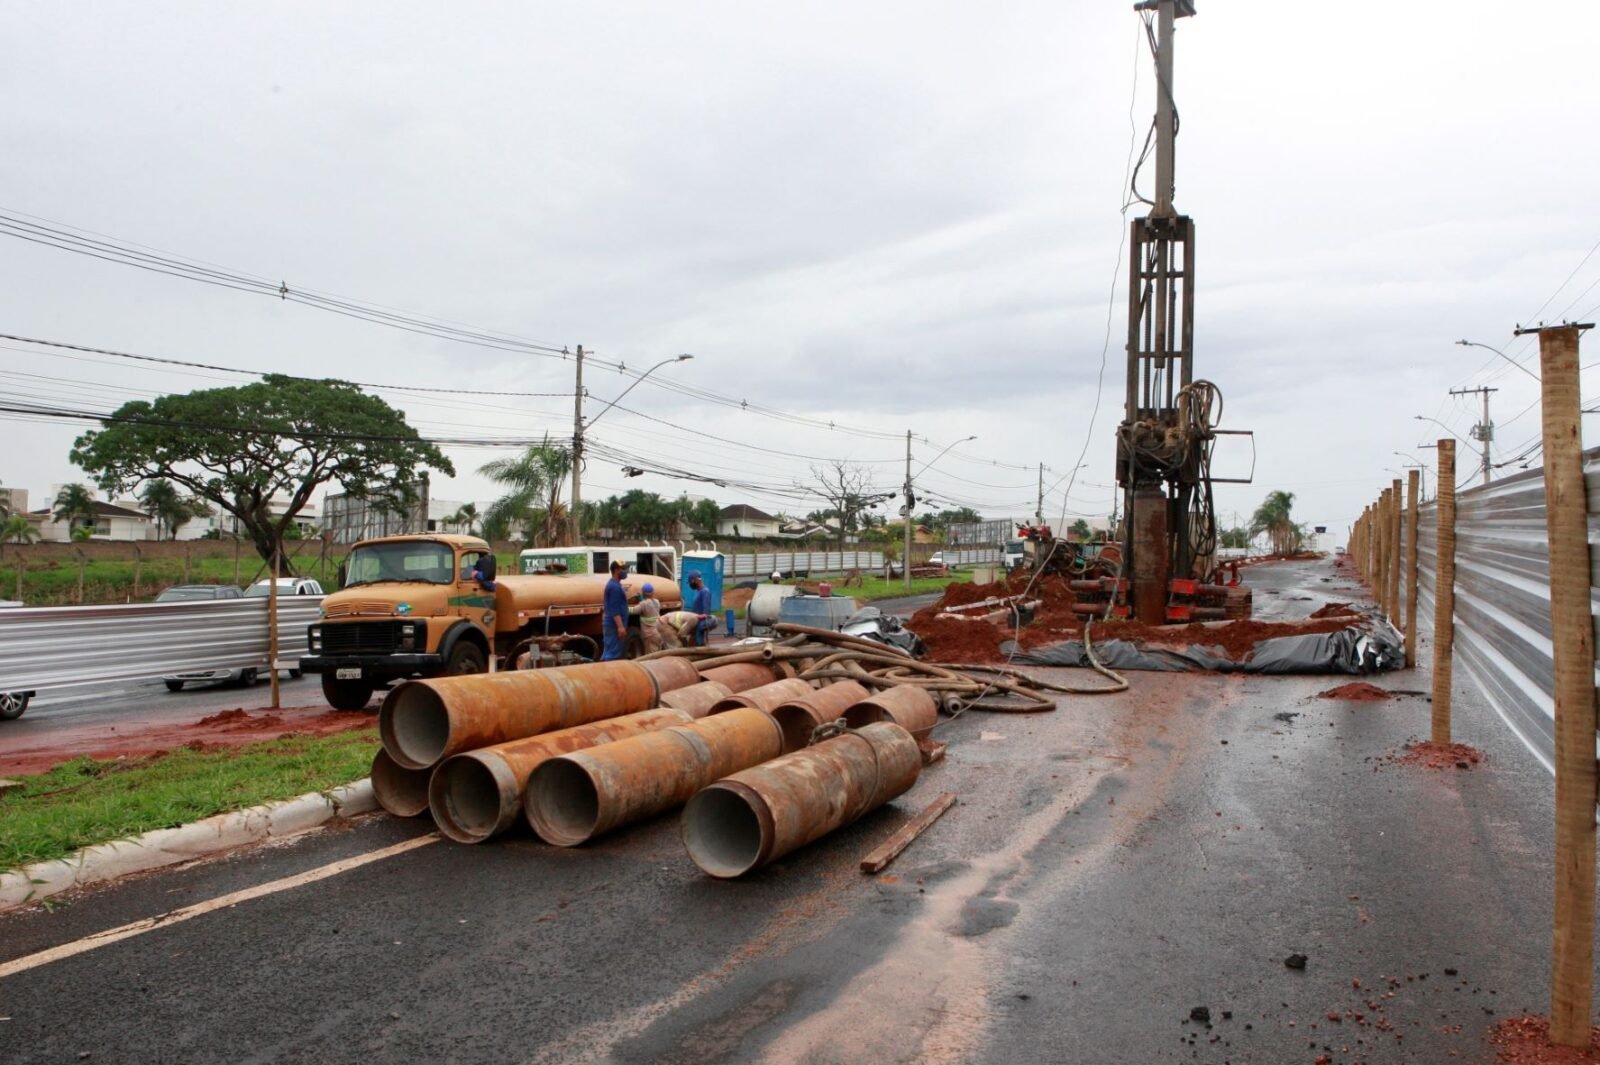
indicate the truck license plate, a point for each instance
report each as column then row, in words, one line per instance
column 347, row 673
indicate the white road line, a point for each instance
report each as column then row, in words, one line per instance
column 221, row 902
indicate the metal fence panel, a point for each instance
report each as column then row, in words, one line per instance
column 1503, row 638
column 70, row 646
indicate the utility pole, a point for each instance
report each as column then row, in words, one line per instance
column 910, row 503
column 1483, row 432
column 1038, row 510
column 577, row 452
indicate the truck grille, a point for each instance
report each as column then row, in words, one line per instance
column 361, row 637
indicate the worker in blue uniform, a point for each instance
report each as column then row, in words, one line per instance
column 700, row 603
column 614, row 614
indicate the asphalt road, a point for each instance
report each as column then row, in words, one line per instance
column 1109, row 868
column 149, row 702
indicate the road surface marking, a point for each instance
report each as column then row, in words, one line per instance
column 221, row 902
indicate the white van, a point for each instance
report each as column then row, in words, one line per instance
column 646, row 561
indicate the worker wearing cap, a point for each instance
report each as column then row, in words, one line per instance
column 614, row 614
column 699, row 603
column 648, row 611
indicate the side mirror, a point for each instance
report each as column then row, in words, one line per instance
column 340, row 576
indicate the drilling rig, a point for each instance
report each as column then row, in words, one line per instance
column 1169, row 425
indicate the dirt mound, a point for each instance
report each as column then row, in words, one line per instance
column 1525, row 1040
column 226, row 717
column 737, row 598
column 1430, row 755
column 1332, row 610
column 1357, row 692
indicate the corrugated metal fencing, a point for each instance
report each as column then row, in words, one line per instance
column 833, row 563
column 1503, row 639
column 71, row 646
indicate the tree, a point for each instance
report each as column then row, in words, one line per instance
column 849, row 492
column 17, row 529
column 242, row 447
column 466, row 515
column 1238, row 537
column 74, row 504
column 170, row 509
column 1273, row 518
column 5, row 504
column 1080, row 529
column 703, row 516
column 534, row 481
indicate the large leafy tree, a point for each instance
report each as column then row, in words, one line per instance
column 243, row 447
column 534, row 482
column 74, row 504
column 163, row 502
column 703, row 516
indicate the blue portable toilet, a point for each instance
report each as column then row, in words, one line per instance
column 709, row 565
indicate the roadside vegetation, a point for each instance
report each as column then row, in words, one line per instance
column 83, row 802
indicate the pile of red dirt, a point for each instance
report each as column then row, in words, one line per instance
column 1430, row 755
column 1525, row 1040
column 1357, row 692
column 1332, row 610
column 230, row 728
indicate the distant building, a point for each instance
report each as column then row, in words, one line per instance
column 217, row 522
column 742, row 520
column 16, row 500
column 797, row 529
column 111, row 522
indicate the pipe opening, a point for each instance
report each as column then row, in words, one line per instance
column 562, row 804
column 414, row 726
column 722, row 832
column 402, row 792
column 466, row 800
column 797, row 724
column 865, row 714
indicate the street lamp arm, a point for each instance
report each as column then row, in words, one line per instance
column 1442, row 425
column 1497, row 351
column 637, row 381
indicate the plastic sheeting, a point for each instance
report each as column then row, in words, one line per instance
column 873, row 624
column 1346, row 651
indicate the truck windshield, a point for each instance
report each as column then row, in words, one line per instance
column 405, row 561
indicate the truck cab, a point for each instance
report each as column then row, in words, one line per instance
column 410, row 606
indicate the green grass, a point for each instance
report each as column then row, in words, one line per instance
column 873, row 588
column 82, row 802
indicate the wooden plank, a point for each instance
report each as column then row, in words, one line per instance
column 890, row 848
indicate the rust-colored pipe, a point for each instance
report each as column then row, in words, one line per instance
column 800, row 717
column 739, row 676
column 578, row 796
column 698, row 699
column 907, row 705
column 671, row 673
column 754, row 816
column 767, row 697
column 424, row 722
column 402, row 792
column 476, row 795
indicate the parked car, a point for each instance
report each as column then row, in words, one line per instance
column 12, row 704
column 180, row 593
column 187, row 593
column 286, row 586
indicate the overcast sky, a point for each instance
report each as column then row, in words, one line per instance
column 888, row 215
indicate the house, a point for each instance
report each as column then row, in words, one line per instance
column 743, row 520
column 800, row 529
column 111, row 522
column 216, row 522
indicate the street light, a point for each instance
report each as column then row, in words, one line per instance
column 1424, row 468
column 1497, row 351
column 1442, row 425
column 906, row 566
column 578, row 427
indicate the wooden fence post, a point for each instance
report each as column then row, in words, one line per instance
column 1444, row 591
column 1380, row 580
column 1572, row 629
column 138, row 565
column 20, row 567
column 235, row 560
column 185, row 564
column 1394, row 553
column 272, row 624
column 82, row 562
column 1413, row 485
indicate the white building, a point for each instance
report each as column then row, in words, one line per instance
column 111, row 522
column 218, row 522
column 742, row 520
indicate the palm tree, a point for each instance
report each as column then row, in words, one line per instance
column 534, row 481
column 17, row 529
column 465, row 515
column 5, row 504
column 1273, row 518
column 163, row 503
column 74, row 504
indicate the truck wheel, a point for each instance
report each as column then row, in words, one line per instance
column 12, row 704
column 174, row 685
column 346, row 694
column 464, row 658
column 633, row 646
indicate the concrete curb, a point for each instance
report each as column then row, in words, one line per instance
column 170, row 846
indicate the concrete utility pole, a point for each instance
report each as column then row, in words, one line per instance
column 577, row 449
column 1038, row 510
column 905, row 563
column 1483, row 432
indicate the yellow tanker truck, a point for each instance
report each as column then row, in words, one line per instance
column 410, row 606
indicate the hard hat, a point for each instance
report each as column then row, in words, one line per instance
column 777, row 576
column 649, row 588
